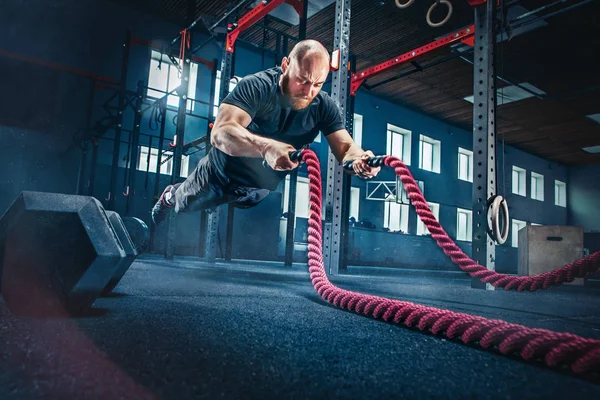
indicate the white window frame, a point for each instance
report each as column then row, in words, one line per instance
column 426, row 142
column 465, row 173
column 400, row 214
column 560, row 195
column 464, row 233
column 404, row 150
column 421, row 228
column 515, row 227
column 232, row 84
column 537, row 186
column 157, row 79
column 302, row 196
column 167, row 167
column 520, row 186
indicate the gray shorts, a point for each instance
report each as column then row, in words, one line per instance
column 206, row 189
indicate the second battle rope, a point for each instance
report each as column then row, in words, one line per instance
column 555, row 348
column 567, row 273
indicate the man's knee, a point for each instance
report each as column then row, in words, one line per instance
column 251, row 199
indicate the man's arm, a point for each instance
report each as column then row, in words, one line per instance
column 344, row 149
column 229, row 134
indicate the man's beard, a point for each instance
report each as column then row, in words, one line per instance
column 295, row 102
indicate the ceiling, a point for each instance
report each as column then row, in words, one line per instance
column 559, row 58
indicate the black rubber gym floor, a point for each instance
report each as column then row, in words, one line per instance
column 184, row 329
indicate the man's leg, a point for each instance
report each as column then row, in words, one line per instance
column 201, row 190
column 245, row 197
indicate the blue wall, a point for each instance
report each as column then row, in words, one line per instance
column 88, row 35
column 444, row 188
column 583, row 197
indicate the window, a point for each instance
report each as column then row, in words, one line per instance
column 302, row 197
column 395, row 216
column 464, row 225
column 354, row 202
column 357, row 129
column 164, row 76
column 537, row 186
column 465, row 165
column 399, row 143
column 560, row 194
column 232, row 83
column 429, row 154
column 421, row 228
column 518, row 181
column 517, row 225
column 166, row 167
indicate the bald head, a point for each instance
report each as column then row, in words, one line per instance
column 303, row 72
column 309, row 49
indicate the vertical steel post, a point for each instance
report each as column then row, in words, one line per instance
column 180, row 133
column 347, row 185
column 135, row 141
column 333, row 237
column 211, row 117
column 86, row 143
column 291, row 220
column 117, row 138
column 213, row 217
column 93, row 163
column 230, row 208
column 162, row 103
column 484, row 138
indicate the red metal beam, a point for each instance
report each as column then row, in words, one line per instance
column 464, row 35
column 476, row 2
column 59, row 67
column 253, row 16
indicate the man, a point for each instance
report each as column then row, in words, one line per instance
column 268, row 115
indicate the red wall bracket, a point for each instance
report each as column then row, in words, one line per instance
column 464, row 35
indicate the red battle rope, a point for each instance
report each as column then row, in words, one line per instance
column 555, row 348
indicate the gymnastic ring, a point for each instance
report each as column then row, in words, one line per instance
column 495, row 233
column 405, row 5
column 442, row 22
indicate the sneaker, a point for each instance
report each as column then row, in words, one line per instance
column 164, row 205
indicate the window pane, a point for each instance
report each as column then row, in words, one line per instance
column 174, row 82
column 427, row 156
column 354, row 202
column 157, row 78
column 463, row 165
column 397, row 142
column 462, row 226
column 302, row 203
column 516, row 226
column 357, row 129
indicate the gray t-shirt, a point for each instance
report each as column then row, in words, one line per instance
column 260, row 96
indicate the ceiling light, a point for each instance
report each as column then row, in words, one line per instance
column 510, row 94
column 594, row 117
column 593, row 149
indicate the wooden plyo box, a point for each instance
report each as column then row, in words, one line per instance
column 546, row 248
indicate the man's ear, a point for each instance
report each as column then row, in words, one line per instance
column 285, row 63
